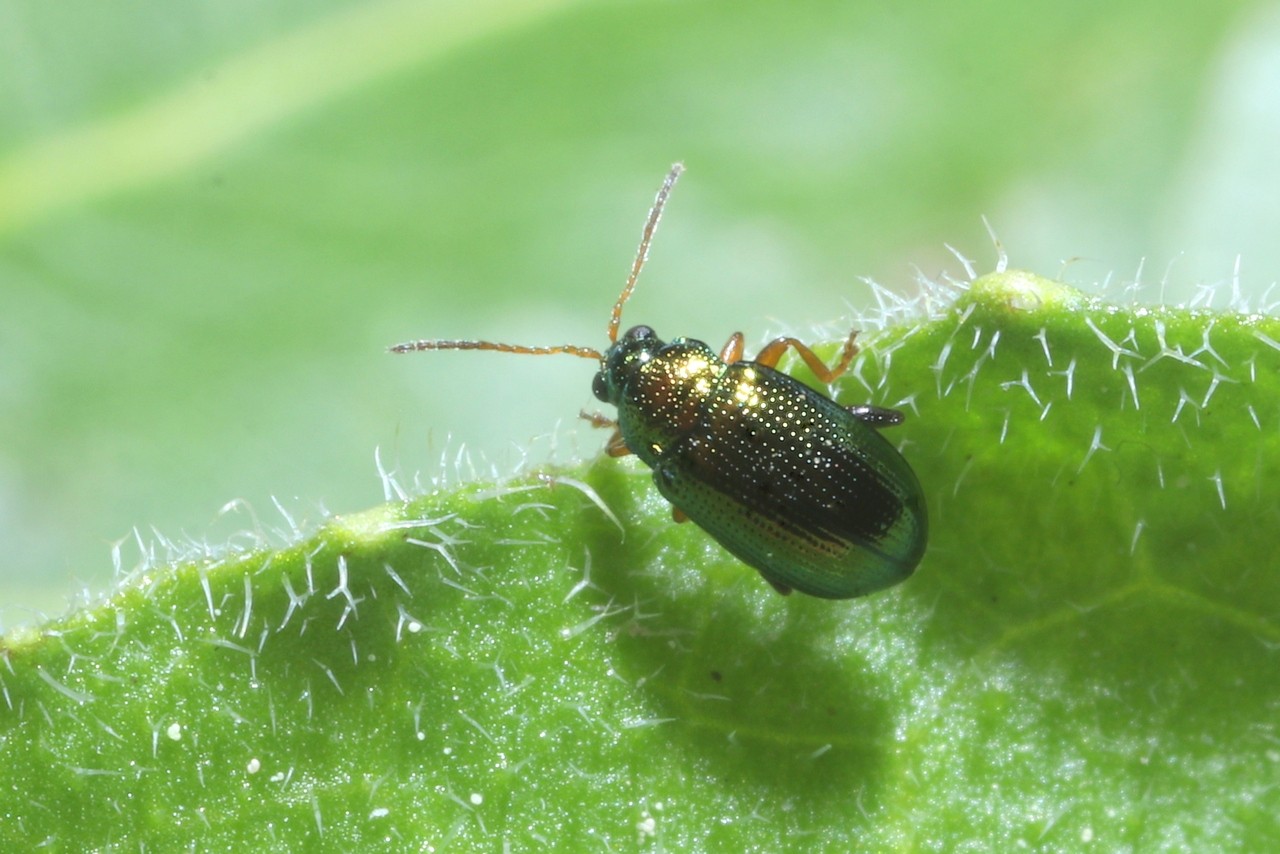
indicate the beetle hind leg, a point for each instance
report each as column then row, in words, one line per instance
column 773, row 351
column 872, row 416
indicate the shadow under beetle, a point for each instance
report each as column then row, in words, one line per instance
column 803, row 489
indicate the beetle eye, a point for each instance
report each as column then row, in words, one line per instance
column 639, row 332
column 600, row 388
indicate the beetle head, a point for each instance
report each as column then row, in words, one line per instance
column 622, row 360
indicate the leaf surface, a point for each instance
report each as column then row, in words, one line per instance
column 1086, row 654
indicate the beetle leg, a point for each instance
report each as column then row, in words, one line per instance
column 876, row 416
column 773, row 351
column 616, row 447
column 779, row 586
column 597, row 419
column 678, row 515
column 732, row 350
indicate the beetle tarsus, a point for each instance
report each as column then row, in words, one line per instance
column 597, row 419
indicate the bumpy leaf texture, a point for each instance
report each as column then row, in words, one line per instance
column 1088, row 652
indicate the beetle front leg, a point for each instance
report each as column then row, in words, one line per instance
column 597, row 419
column 615, row 447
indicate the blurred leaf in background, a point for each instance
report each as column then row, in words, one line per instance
column 214, row 216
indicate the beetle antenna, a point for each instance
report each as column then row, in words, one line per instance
column 650, row 226
column 615, row 319
column 571, row 349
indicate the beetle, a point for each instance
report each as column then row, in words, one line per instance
column 793, row 484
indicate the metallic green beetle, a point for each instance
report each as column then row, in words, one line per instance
column 802, row 489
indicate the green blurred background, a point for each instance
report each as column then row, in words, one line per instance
column 214, row 216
